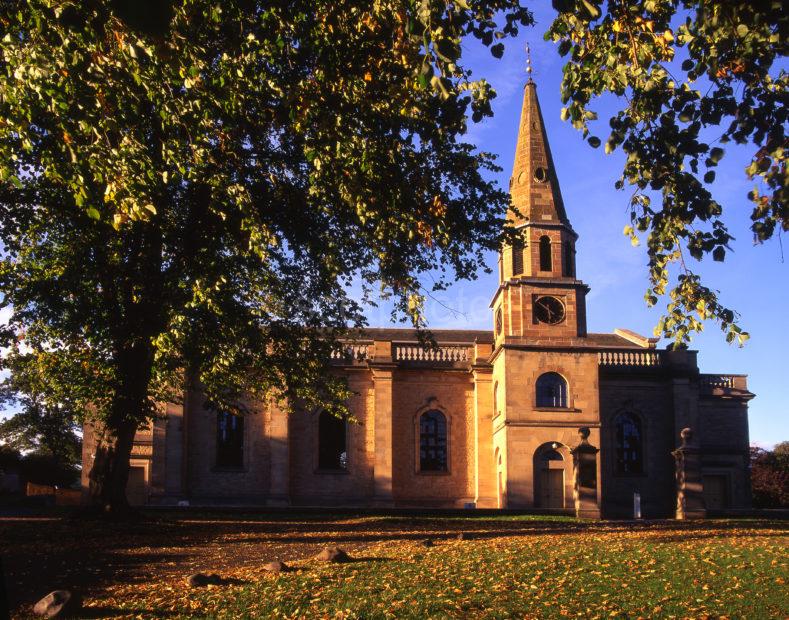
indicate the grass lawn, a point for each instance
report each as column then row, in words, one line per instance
column 533, row 567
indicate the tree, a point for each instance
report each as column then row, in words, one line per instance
column 43, row 423
column 781, row 453
column 187, row 189
column 693, row 76
column 769, row 478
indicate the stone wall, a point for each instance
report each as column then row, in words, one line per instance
column 648, row 396
column 452, row 392
column 310, row 485
column 529, row 427
column 206, row 481
column 723, row 438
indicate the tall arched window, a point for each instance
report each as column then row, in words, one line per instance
column 432, row 441
column 332, row 451
column 551, row 390
column 629, row 445
column 546, row 264
column 517, row 258
column 569, row 266
column 229, row 440
column 495, row 399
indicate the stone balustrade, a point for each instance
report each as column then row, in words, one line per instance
column 710, row 384
column 716, row 381
column 352, row 353
column 630, row 358
column 360, row 353
column 415, row 352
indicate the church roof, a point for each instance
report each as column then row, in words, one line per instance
column 441, row 335
column 404, row 334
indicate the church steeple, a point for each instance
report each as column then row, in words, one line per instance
column 538, row 295
column 546, row 246
column 534, row 187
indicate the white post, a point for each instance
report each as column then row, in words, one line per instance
column 636, row 505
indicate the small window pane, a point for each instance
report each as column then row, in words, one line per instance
column 551, row 390
column 332, row 451
column 545, row 254
column 229, row 440
column 629, row 447
column 433, row 441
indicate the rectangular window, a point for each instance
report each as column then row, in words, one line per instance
column 229, row 440
column 517, row 258
column 432, row 441
column 332, row 448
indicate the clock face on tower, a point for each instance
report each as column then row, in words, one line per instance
column 549, row 310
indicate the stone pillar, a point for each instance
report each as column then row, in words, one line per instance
column 585, row 477
column 690, row 487
column 383, row 371
column 484, row 468
column 174, row 478
column 158, row 472
column 279, row 447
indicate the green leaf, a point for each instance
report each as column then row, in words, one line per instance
column 594, row 141
column 591, row 9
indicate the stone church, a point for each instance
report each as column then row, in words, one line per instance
column 536, row 414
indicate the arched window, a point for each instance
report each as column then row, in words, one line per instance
column 432, row 441
column 495, row 399
column 629, row 446
column 332, row 451
column 569, row 266
column 546, row 264
column 229, row 440
column 517, row 258
column 551, row 390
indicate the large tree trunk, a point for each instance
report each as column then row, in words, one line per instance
column 115, row 434
column 110, row 471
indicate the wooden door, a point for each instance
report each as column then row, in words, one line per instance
column 715, row 492
column 136, row 491
column 552, row 489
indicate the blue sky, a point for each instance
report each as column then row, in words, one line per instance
column 753, row 279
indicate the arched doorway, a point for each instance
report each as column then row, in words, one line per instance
column 549, row 482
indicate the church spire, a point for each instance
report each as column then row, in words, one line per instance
column 534, row 187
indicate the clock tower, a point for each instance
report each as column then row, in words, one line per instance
column 539, row 295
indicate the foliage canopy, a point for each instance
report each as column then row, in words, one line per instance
column 186, row 195
column 693, row 76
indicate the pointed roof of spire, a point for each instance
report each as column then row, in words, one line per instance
column 534, row 186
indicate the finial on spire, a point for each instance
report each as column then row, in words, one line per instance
column 528, row 63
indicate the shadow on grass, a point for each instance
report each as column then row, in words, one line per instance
column 43, row 553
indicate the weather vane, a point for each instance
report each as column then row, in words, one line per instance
column 528, row 62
